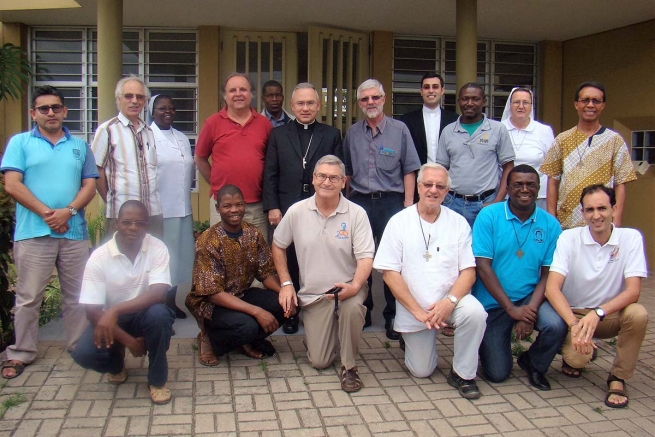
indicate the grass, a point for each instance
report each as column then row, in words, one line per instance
column 612, row 342
column 263, row 365
column 11, row 401
column 598, row 410
column 387, row 345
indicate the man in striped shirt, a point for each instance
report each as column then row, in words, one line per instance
column 124, row 149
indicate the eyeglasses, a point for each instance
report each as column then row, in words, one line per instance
column 437, row 186
column 274, row 96
column 529, row 186
column 594, row 102
column 138, row 223
column 322, row 177
column 521, row 103
column 366, row 99
column 309, row 104
column 166, row 109
column 130, row 96
column 45, row 109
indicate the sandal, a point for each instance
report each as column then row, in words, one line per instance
column 568, row 370
column 265, row 347
column 17, row 366
column 448, row 331
column 160, row 395
column 350, row 380
column 616, row 391
column 251, row 352
column 206, row 355
column 117, row 378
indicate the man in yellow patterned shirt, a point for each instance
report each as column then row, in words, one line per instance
column 585, row 155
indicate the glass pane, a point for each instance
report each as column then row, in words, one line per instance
column 415, row 43
column 241, row 56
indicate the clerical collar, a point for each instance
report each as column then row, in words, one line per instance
column 432, row 111
column 305, row 126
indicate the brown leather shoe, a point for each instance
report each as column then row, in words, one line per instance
column 350, row 380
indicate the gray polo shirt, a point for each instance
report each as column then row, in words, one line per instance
column 474, row 161
column 378, row 161
column 327, row 247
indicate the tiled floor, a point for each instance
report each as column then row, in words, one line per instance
column 284, row 396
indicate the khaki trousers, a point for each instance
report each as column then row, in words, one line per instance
column 630, row 326
column 323, row 330
column 35, row 260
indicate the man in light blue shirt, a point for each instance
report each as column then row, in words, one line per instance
column 513, row 244
column 52, row 176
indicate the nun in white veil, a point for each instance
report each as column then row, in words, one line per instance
column 175, row 172
column 531, row 139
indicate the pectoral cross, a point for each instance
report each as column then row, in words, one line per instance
column 519, row 253
column 304, row 163
column 427, row 256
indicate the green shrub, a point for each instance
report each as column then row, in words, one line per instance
column 7, row 296
column 51, row 304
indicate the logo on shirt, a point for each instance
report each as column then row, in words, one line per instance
column 614, row 256
column 484, row 139
column 343, row 234
column 77, row 153
column 539, row 235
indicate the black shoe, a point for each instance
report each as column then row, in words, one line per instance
column 401, row 343
column 290, row 325
column 367, row 319
column 179, row 314
column 391, row 334
column 467, row 387
column 537, row 379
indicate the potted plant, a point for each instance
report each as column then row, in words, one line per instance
column 199, row 227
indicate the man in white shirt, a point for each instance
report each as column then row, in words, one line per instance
column 594, row 285
column 430, row 269
column 124, row 290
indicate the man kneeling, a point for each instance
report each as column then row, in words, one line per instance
column 232, row 314
column 124, row 290
column 594, row 285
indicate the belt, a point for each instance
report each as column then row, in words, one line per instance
column 305, row 188
column 379, row 194
column 473, row 197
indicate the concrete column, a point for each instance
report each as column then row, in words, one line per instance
column 549, row 103
column 382, row 65
column 467, row 41
column 110, row 55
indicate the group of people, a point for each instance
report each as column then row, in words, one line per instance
column 301, row 219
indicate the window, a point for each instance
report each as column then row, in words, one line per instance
column 501, row 67
column 166, row 59
column 643, row 146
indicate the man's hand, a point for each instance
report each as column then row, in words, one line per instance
column 104, row 332
column 347, row 291
column 438, row 313
column 57, row 218
column 523, row 330
column 274, row 217
column 266, row 320
column 523, row 313
column 288, row 300
column 138, row 347
column 583, row 332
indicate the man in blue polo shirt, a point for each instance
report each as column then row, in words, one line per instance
column 513, row 244
column 52, row 176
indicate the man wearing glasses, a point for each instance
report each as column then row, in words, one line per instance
column 473, row 148
column 50, row 228
column 124, row 292
column 586, row 154
column 293, row 151
column 426, row 259
column 124, row 148
column 513, row 244
column 273, row 99
column 381, row 164
column 334, row 246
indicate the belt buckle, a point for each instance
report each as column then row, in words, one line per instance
column 305, row 188
column 376, row 196
column 471, row 197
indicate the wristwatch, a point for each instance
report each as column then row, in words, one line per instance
column 600, row 312
column 285, row 283
column 72, row 210
column 452, row 298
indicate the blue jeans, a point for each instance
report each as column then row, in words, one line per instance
column 467, row 209
column 496, row 348
column 228, row 329
column 379, row 212
column 155, row 324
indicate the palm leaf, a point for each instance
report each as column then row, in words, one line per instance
column 14, row 71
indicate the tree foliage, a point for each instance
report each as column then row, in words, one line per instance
column 14, row 71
